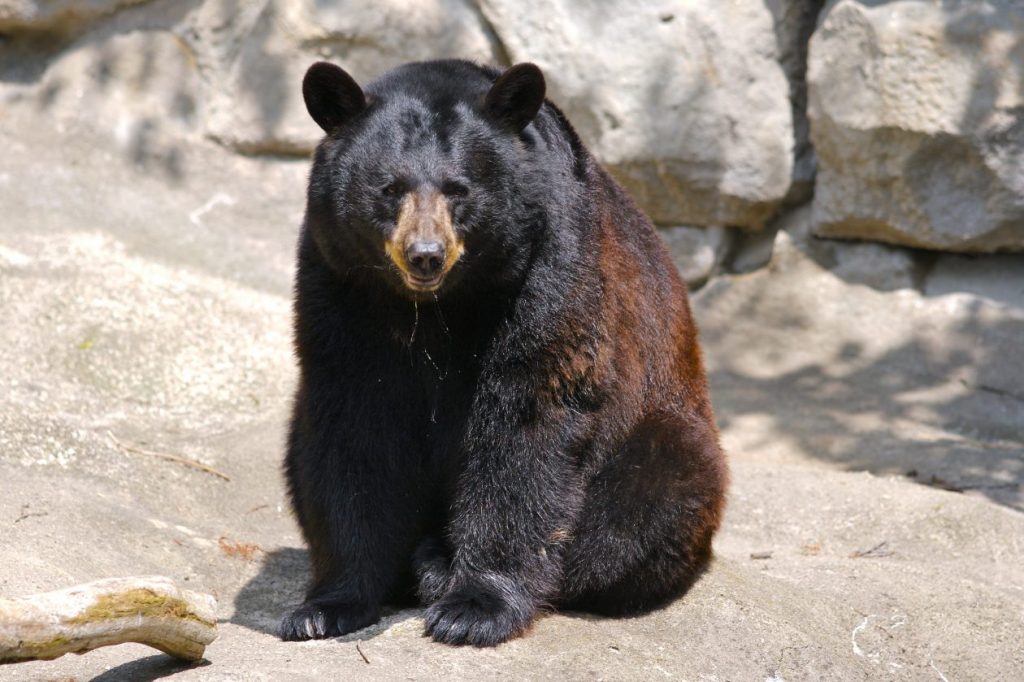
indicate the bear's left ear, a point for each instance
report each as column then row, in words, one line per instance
column 516, row 97
column 332, row 96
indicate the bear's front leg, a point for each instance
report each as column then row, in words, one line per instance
column 517, row 499
column 358, row 499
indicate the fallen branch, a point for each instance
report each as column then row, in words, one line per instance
column 879, row 550
column 26, row 514
column 169, row 457
column 148, row 610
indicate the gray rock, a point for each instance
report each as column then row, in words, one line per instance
column 997, row 278
column 752, row 250
column 55, row 15
column 917, row 118
column 697, row 251
column 684, row 101
column 879, row 266
column 808, row 366
column 692, row 114
column 252, row 58
column 811, row 611
column 138, row 87
column 226, row 70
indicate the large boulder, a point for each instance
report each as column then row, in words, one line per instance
column 684, row 101
column 137, row 86
column 917, row 114
column 55, row 15
column 252, row 59
column 229, row 71
column 698, row 252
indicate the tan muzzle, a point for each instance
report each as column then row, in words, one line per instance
column 424, row 245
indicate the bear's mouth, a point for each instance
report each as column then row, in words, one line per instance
column 424, row 284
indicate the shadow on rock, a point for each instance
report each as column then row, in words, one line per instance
column 274, row 591
column 146, row 669
column 280, row 586
column 941, row 405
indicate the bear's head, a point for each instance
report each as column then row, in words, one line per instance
column 432, row 176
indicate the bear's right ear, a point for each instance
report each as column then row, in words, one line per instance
column 332, row 97
column 516, row 97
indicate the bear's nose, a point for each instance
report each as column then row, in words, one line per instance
column 425, row 258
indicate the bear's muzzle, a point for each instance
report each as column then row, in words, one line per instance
column 424, row 245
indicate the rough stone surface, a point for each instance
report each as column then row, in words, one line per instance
column 230, row 71
column 252, row 59
column 751, row 250
column 880, row 266
column 55, row 15
column 698, row 252
column 996, row 278
column 137, row 86
column 653, row 90
column 917, row 113
column 696, row 105
column 809, row 364
column 157, row 311
column 686, row 102
column 877, row 265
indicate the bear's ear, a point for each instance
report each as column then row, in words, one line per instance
column 516, row 97
column 332, row 97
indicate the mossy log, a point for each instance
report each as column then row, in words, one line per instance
column 149, row 610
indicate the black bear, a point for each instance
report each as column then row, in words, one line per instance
column 502, row 406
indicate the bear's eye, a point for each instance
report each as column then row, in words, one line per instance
column 393, row 189
column 454, row 189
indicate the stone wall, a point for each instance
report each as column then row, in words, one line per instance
column 902, row 121
column 917, row 113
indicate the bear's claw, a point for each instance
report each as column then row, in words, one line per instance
column 319, row 621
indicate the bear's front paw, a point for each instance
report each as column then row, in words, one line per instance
column 318, row 621
column 481, row 614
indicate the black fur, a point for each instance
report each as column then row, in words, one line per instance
column 535, row 432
